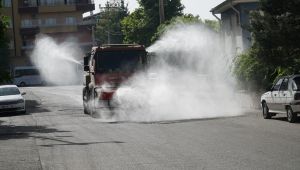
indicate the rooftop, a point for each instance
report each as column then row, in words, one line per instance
column 227, row 5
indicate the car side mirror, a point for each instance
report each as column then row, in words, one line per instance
column 23, row 93
column 270, row 88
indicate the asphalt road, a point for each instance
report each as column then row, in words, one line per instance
column 55, row 134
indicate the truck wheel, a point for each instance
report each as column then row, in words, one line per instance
column 291, row 116
column 265, row 110
column 85, row 101
column 91, row 104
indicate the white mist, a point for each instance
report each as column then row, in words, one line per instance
column 190, row 79
column 57, row 62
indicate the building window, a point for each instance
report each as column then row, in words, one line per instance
column 11, row 44
column 70, row 2
column 50, row 22
column 26, row 23
column 39, row 22
column 30, row 3
column 6, row 3
column 51, row 2
column 70, row 21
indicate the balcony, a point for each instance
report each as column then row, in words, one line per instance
column 85, row 5
column 28, row 6
column 28, row 9
column 30, row 30
column 33, row 6
column 27, row 45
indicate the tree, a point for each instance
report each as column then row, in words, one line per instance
column 108, row 28
column 4, row 50
column 276, row 50
column 184, row 19
column 135, row 27
column 276, row 32
column 147, row 18
column 213, row 24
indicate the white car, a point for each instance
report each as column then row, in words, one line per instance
column 27, row 76
column 283, row 97
column 11, row 100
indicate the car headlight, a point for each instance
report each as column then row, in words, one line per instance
column 20, row 101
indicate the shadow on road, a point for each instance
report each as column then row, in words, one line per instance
column 33, row 106
column 170, row 121
column 8, row 132
column 12, row 114
column 284, row 119
column 65, row 142
column 16, row 132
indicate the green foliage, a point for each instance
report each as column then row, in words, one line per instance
column 108, row 28
column 4, row 50
column 142, row 24
column 276, row 49
column 251, row 71
column 185, row 19
column 135, row 27
column 213, row 24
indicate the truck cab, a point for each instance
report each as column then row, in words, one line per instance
column 107, row 67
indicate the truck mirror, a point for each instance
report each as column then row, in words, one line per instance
column 86, row 68
column 86, row 59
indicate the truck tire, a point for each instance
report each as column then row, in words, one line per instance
column 92, row 105
column 85, row 101
column 291, row 116
column 265, row 111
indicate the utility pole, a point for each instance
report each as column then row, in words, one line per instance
column 13, row 26
column 161, row 11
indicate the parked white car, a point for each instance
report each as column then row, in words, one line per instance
column 283, row 97
column 27, row 76
column 11, row 100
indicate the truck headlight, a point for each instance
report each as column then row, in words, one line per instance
column 98, row 90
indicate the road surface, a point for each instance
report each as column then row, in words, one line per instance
column 55, row 134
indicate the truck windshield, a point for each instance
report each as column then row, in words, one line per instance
column 296, row 84
column 119, row 61
column 7, row 91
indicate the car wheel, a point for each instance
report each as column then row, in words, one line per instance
column 43, row 83
column 22, row 84
column 291, row 116
column 265, row 110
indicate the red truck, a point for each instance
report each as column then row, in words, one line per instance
column 107, row 67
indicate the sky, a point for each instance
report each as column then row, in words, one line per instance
column 195, row 7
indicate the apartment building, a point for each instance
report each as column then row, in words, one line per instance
column 60, row 19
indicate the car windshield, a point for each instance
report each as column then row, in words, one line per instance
column 119, row 61
column 6, row 91
column 296, row 84
column 26, row 72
